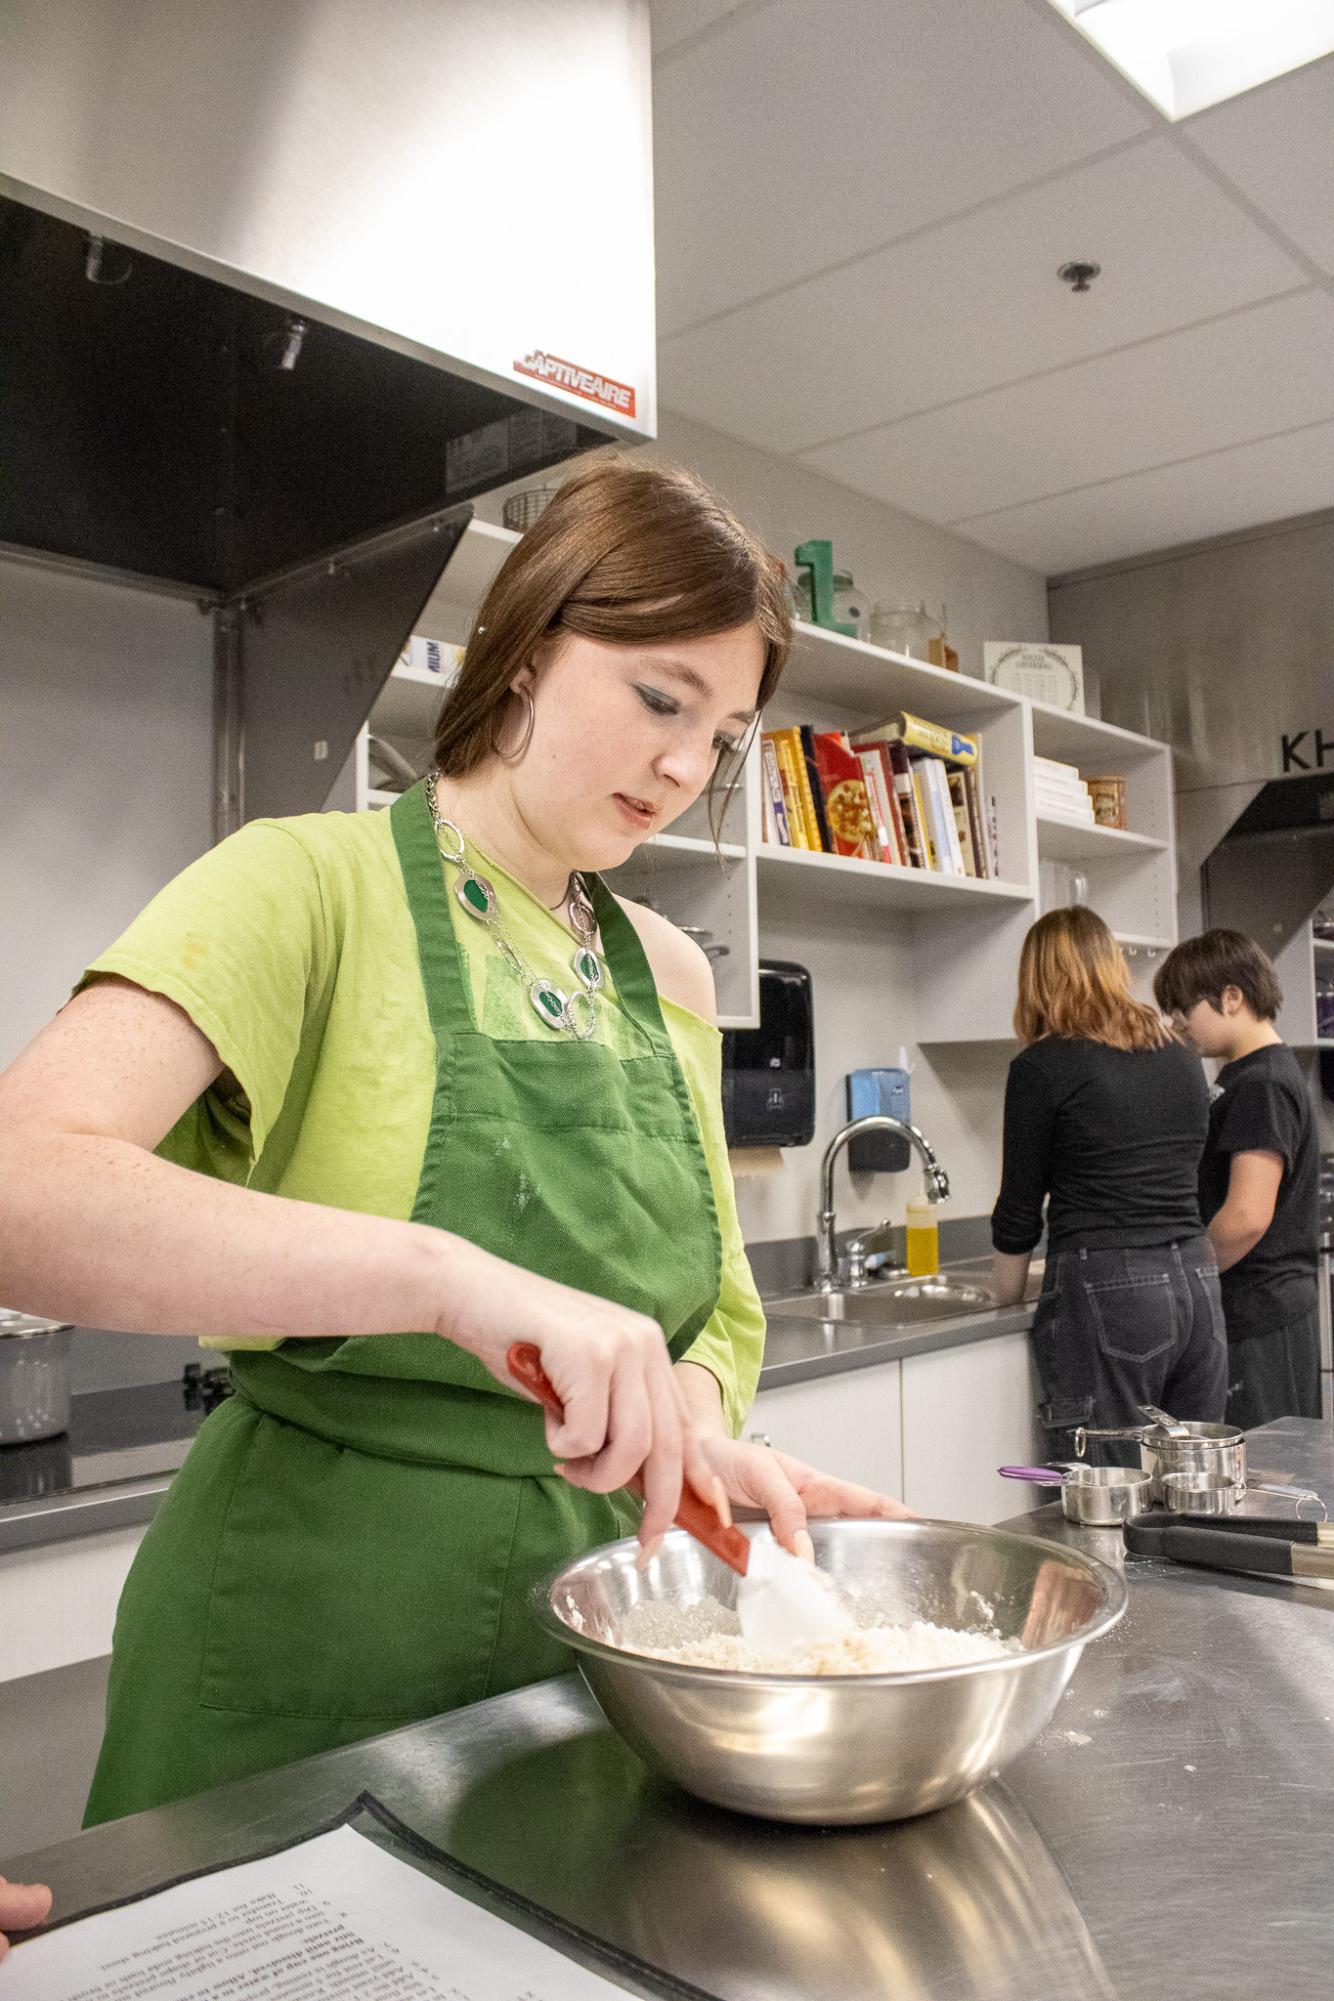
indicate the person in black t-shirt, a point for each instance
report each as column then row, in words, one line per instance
column 1259, row 1174
column 1105, row 1116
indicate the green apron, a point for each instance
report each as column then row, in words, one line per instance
column 350, row 1544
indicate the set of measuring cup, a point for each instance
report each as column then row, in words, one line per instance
column 1186, row 1468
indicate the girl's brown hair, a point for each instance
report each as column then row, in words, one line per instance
column 1074, row 981
column 626, row 551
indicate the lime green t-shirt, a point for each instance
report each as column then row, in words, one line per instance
column 291, row 946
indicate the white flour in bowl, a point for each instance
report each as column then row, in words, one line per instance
column 707, row 1634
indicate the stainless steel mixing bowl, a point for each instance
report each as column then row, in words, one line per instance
column 843, row 1748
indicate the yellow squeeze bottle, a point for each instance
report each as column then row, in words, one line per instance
column 923, row 1237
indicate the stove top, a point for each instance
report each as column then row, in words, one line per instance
column 115, row 1435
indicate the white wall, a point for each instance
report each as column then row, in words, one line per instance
column 106, row 773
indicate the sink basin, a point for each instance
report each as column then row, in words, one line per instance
column 900, row 1302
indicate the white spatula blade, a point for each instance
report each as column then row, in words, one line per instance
column 784, row 1604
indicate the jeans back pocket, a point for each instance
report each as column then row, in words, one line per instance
column 1135, row 1318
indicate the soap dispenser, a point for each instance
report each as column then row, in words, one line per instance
column 923, row 1236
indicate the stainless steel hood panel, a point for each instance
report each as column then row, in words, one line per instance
column 1223, row 649
column 467, row 181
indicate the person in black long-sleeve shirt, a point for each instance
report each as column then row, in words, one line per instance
column 1105, row 1120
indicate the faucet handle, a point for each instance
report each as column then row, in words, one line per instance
column 861, row 1244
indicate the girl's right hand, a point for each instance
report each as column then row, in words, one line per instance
column 624, row 1410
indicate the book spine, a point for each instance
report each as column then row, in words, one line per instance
column 949, row 833
column 787, row 769
column 914, row 833
column 773, row 793
column 993, row 835
column 812, row 796
column 927, row 819
column 959, row 802
column 973, row 796
column 874, row 780
column 901, row 841
column 768, row 824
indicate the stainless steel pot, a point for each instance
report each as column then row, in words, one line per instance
column 1206, row 1448
column 1216, row 1494
column 1201, row 1494
column 34, row 1378
column 1093, row 1496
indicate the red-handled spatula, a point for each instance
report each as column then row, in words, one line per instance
column 782, row 1603
column 694, row 1515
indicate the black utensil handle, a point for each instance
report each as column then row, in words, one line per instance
column 1264, row 1525
column 1212, row 1552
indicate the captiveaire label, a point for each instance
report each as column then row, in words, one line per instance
column 585, row 382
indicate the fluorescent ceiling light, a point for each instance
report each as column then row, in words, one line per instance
column 1187, row 54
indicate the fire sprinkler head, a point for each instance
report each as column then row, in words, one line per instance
column 1079, row 276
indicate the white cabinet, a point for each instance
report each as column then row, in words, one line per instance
column 967, row 1411
column 1304, row 966
column 848, row 1424
column 58, row 1600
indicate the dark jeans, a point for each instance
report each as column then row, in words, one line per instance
column 1116, row 1329
column 1275, row 1374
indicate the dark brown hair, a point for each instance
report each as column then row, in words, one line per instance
column 1073, row 980
column 1201, row 968
column 627, row 551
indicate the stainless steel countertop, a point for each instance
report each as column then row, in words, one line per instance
column 130, row 1486
column 796, row 1350
column 1169, row 1833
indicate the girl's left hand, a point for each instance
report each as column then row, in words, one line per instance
column 789, row 1491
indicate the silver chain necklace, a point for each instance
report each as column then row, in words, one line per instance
column 555, row 1009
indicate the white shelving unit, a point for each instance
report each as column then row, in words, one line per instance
column 969, row 931
column 1303, row 960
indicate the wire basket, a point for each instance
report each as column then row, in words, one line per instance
column 521, row 510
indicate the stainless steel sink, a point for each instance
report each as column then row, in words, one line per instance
column 901, row 1302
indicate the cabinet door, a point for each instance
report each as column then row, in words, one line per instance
column 967, row 1411
column 58, row 1600
column 847, row 1424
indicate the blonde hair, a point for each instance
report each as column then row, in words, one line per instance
column 1074, row 981
column 629, row 552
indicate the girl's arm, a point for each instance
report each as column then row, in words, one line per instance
column 95, row 1229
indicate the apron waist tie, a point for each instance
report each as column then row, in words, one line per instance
column 425, row 1423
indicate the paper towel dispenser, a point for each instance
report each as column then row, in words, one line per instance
column 769, row 1071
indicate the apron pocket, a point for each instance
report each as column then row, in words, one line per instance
column 352, row 1588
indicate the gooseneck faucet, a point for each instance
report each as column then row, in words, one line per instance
column 937, row 1184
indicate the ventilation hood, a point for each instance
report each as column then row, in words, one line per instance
column 276, row 276
column 284, row 284
column 1222, row 649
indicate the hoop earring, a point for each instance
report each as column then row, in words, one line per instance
column 513, row 756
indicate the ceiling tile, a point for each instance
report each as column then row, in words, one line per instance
column 976, row 303
column 1269, row 368
column 803, row 134
column 1277, row 145
column 1269, row 480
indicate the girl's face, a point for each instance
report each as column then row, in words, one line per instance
column 625, row 738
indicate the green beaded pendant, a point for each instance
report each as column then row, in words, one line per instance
column 588, row 967
column 476, row 895
column 549, row 1003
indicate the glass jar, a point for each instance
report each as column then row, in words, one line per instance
column 849, row 602
column 905, row 628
